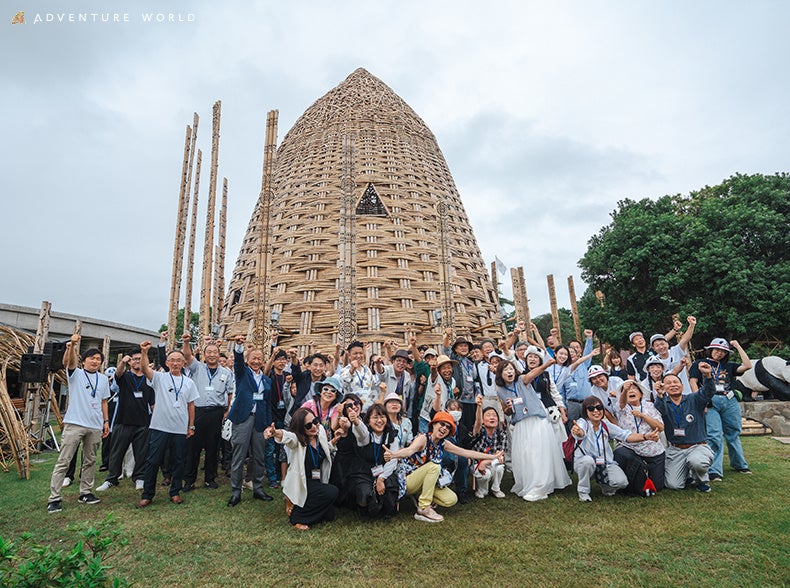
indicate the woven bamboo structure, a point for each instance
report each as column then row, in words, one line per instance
column 368, row 233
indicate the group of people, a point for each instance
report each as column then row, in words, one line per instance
column 364, row 431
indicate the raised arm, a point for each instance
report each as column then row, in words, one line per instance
column 417, row 445
column 70, row 359
column 186, row 348
column 478, row 415
column 145, row 365
column 534, row 373
column 684, row 340
column 536, row 335
column 746, row 363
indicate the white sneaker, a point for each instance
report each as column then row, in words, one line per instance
column 584, row 498
column 139, row 485
column 428, row 515
column 248, row 485
column 498, row 493
column 66, row 482
column 104, row 487
column 480, row 494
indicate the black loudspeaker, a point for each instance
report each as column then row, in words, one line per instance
column 53, row 353
column 33, row 368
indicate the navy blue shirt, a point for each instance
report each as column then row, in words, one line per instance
column 684, row 423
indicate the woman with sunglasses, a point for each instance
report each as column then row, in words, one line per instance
column 536, row 455
column 593, row 454
column 422, row 466
column 371, row 482
column 310, row 499
column 325, row 402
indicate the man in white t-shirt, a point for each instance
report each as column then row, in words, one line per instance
column 672, row 357
column 172, row 422
column 85, row 422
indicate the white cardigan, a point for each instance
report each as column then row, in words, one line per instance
column 295, row 483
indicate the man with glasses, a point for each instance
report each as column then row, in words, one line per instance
column 131, row 421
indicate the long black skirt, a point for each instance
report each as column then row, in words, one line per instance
column 319, row 506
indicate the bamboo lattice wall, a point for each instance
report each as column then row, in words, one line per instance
column 400, row 181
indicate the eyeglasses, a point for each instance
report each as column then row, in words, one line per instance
column 596, row 407
column 309, row 425
column 444, row 425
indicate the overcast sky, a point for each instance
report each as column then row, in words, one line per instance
column 548, row 113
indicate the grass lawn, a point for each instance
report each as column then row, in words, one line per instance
column 738, row 535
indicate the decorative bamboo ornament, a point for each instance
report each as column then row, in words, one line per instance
column 208, row 244
column 360, row 177
column 574, row 309
column 191, row 251
column 555, row 316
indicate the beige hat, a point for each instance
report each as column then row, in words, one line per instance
column 443, row 359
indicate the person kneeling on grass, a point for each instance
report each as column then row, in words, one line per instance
column 423, row 460
column 310, row 499
column 488, row 437
column 593, row 454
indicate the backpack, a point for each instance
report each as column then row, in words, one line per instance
column 570, row 444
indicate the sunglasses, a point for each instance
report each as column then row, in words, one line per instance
column 329, row 389
column 444, row 425
column 596, row 407
column 309, row 425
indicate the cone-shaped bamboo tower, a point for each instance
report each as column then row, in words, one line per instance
column 367, row 230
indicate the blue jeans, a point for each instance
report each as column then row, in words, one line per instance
column 461, row 465
column 271, row 455
column 725, row 415
column 158, row 443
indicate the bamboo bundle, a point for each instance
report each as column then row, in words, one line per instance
column 191, row 251
column 555, row 316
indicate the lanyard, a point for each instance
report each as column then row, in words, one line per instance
column 92, row 386
column 399, row 387
column 637, row 422
column 447, row 386
column 210, row 375
column 177, row 391
column 138, row 384
column 361, row 377
column 677, row 411
column 468, row 365
column 376, row 452
column 315, row 456
column 258, row 380
column 514, row 390
column 598, row 439
column 280, row 381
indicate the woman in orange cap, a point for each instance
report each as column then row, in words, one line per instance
column 422, row 464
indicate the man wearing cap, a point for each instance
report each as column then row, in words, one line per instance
column 684, row 426
column 216, row 386
column 280, row 401
column 465, row 375
column 441, row 388
column 724, row 413
column 635, row 364
column 422, row 376
column 85, row 422
column 357, row 377
column 250, row 414
column 671, row 357
column 397, row 378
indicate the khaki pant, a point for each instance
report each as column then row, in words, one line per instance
column 423, row 481
column 70, row 441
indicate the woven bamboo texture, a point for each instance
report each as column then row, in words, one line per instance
column 361, row 139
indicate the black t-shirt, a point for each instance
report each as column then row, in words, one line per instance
column 635, row 364
column 134, row 398
column 723, row 374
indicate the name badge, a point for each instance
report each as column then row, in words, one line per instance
column 518, row 400
column 377, row 470
column 94, row 406
column 257, row 396
column 600, row 461
column 209, row 388
column 316, row 474
column 680, row 432
column 469, row 378
column 176, row 404
column 281, row 405
column 138, row 394
column 730, row 394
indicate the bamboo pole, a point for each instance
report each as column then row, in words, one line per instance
column 208, row 246
column 105, row 350
column 520, row 297
column 191, row 252
column 264, row 240
column 178, row 245
column 346, row 244
column 574, row 309
column 495, row 284
column 555, row 316
column 219, row 256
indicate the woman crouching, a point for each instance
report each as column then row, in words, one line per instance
column 305, row 485
column 423, row 460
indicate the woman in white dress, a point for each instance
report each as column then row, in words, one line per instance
column 536, row 456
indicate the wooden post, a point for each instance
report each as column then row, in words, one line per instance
column 178, row 245
column 33, row 392
column 574, row 309
column 555, row 316
column 445, row 271
column 264, row 240
column 347, row 318
column 105, row 350
column 219, row 256
column 191, row 252
column 208, row 247
column 495, row 284
column 520, row 297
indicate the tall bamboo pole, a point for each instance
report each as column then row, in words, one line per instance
column 178, row 246
column 555, row 315
column 219, row 255
column 191, row 252
column 495, row 284
column 520, row 297
column 346, row 245
column 208, row 247
column 264, row 241
column 574, row 309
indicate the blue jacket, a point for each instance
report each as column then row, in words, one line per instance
column 245, row 388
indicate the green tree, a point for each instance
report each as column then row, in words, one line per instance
column 544, row 324
column 720, row 253
column 194, row 324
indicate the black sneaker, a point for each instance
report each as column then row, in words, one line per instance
column 88, row 498
column 744, row 471
column 715, row 478
column 188, row 488
column 54, row 507
column 211, row 485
